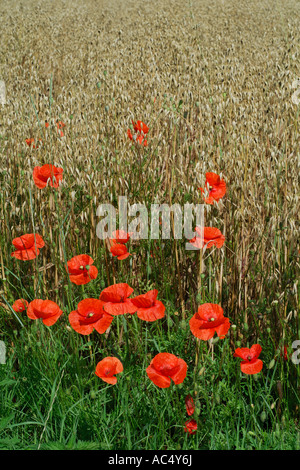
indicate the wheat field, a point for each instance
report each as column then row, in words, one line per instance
column 216, row 82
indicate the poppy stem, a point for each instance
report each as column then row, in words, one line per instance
column 90, row 348
column 161, row 422
column 179, row 406
column 197, row 355
column 198, row 351
column 113, row 270
column 250, row 388
column 106, row 245
column 200, row 273
column 211, row 347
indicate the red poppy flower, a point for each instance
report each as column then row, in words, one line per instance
column 141, row 130
column 140, row 126
column 189, row 405
column 116, row 300
column 47, row 124
column 47, row 310
column 120, row 236
column 119, row 250
column 142, row 140
column 209, row 320
column 250, row 364
column 211, row 237
column 107, row 368
column 30, row 143
column 164, row 367
column 45, row 173
column 20, row 305
column 90, row 315
column 81, row 270
column 190, row 426
column 60, row 125
column 148, row 308
column 27, row 246
column 215, row 186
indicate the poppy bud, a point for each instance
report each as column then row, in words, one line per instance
column 246, row 327
column 198, row 298
column 272, row 364
column 263, row 416
column 93, row 394
column 87, row 267
column 182, row 325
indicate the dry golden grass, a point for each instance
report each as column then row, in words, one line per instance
column 213, row 81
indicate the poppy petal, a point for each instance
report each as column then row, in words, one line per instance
column 158, row 379
column 251, row 368
column 153, row 313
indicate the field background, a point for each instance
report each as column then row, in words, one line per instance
column 213, row 81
